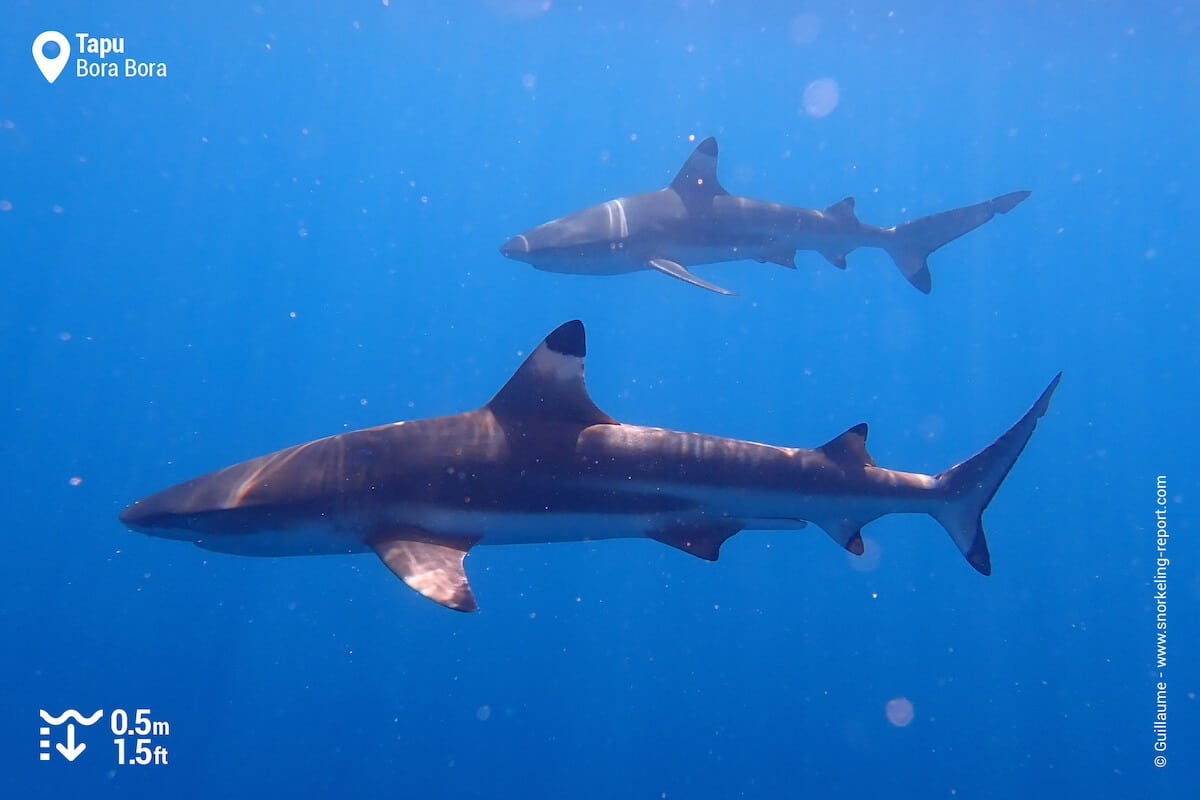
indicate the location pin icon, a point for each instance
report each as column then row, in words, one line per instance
column 51, row 67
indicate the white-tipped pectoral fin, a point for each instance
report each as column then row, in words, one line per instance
column 669, row 267
column 431, row 567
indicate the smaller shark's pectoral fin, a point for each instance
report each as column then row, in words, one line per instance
column 669, row 267
column 702, row 541
column 431, row 567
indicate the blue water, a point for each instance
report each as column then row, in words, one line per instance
column 294, row 233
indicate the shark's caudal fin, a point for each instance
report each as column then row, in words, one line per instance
column 911, row 243
column 967, row 488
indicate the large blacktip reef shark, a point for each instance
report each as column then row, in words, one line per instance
column 541, row 463
column 695, row 221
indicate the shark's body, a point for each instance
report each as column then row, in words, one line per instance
column 695, row 221
column 541, row 463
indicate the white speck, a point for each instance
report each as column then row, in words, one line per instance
column 76, row 481
column 899, row 711
column 821, row 97
column 483, row 713
column 806, row 26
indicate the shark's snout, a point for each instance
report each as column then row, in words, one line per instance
column 515, row 247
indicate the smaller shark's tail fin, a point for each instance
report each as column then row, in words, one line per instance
column 968, row 487
column 912, row 242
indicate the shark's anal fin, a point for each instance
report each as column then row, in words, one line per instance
column 669, row 267
column 432, row 566
column 837, row 259
column 702, row 541
column 846, row 532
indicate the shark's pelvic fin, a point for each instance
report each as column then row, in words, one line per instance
column 911, row 243
column 431, row 566
column 967, row 488
column 702, row 541
column 669, row 267
column 549, row 385
column 698, row 176
column 786, row 258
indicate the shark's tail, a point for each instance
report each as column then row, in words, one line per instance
column 967, row 488
column 910, row 244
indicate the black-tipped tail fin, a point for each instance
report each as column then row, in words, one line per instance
column 912, row 242
column 968, row 487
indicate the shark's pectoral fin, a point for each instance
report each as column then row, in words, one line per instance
column 702, row 541
column 434, row 568
column 669, row 267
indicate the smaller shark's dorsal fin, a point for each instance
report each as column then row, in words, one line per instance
column 698, row 176
column 849, row 449
column 550, row 382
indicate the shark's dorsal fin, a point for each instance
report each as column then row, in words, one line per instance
column 698, row 176
column 431, row 566
column 842, row 211
column 550, row 382
column 850, row 449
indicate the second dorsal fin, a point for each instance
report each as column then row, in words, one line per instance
column 849, row 449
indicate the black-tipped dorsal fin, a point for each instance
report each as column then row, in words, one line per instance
column 698, row 176
column 550, row 382
column 849, row 449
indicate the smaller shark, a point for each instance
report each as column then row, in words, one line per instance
column 541, row 463
column 695, row 221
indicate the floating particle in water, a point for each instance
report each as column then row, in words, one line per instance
column 529, row 81
column 75, row 480
column 806, row 27
column 899, row 711
column 821, row 97
column 6, row 205
column 483, row 713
